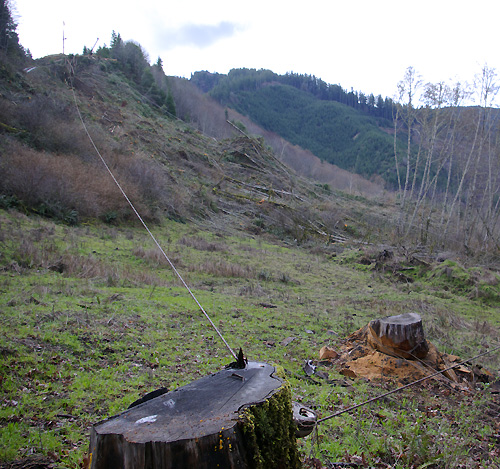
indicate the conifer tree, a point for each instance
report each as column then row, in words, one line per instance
column 9, row 40
column 171, row 105
column 159, row 64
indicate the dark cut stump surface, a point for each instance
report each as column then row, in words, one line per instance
column 198, row 425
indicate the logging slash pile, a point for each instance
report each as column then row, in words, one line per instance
column 394, row 349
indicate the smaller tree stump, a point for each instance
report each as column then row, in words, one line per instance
column 399, row 336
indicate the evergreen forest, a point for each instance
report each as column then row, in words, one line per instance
column 348, row 129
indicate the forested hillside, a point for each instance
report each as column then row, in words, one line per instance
column 250, row 79
column 438, row 155
column 347, row 129
column 49, row 108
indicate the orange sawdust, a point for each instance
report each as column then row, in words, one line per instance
column 357, row 358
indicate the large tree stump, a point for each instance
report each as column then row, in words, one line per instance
column 236, row 418
column 400, row 336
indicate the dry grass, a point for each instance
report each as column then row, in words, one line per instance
column 202, row 244
column 154, row 256
column 221, row 268
column 37, row 249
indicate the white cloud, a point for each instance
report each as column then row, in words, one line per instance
column 362, row 44
column 196, row 35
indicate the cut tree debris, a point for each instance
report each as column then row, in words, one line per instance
column 373, row 353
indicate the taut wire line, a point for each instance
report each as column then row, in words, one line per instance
column 349, row 409
column 148, row 230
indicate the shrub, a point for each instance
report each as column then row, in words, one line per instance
column 265, row 275
column 8, row 201
column 63, row 187
column 284, row 278
column 50, row 125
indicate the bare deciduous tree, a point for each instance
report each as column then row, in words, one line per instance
column 451, row 162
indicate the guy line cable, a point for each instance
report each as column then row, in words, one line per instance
column 148, row 230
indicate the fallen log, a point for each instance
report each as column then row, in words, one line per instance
column 236, row 418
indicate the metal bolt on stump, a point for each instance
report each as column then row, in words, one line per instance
column 235, row 418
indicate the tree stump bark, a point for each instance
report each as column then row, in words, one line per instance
column 399, row 336
column 236, row 418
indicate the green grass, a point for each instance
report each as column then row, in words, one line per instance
column 81, row 344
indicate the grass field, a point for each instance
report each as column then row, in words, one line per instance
column 92, row 317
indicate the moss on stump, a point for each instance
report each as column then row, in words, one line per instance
column 236, row 418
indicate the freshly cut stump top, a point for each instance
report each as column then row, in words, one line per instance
column 401, row 336
column 197, row 425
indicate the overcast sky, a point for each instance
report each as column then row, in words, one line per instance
column 363, row 44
